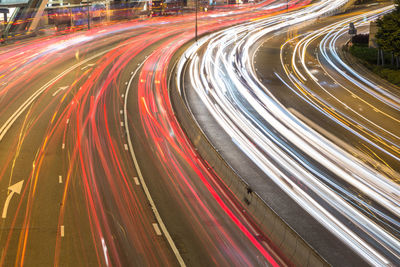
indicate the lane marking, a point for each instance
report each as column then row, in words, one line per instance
column 87, row 66
column 15, row 189
column 122, row 95
column 60, row 179
column 126, row 147
column 122, row 124
column 67, row 121
column 136, row 180
column 63, row 146
column 140, row 175
column 62, row 230
column 11, row 120
column 62, row 88
column 156, row 229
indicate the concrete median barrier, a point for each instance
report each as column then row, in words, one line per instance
column 295, row 249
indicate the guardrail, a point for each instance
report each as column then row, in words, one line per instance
column 289, row 242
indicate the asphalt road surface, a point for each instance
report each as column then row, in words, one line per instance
column 258, row 102
column 85, row 121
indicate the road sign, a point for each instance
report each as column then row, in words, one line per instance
column 352, row 29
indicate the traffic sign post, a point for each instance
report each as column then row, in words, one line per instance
column 352, row 29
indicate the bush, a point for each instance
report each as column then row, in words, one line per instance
column 390, row 75
column 393, row 76
column 369, row 57
column 365, row 53
column 360, row 39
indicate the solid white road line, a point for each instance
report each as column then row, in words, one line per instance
column 7, row 125
column 145, row 189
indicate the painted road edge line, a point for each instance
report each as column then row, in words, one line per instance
column 145, row 189
column 11, row 120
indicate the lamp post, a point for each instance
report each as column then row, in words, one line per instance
column 88, row 4
column 88, row 15
column 197, row 3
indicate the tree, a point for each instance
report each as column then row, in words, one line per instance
column 388, row 35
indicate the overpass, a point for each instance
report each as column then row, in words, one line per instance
column 25, row 18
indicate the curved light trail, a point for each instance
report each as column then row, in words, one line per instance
column 62, row 103
column 327, row 181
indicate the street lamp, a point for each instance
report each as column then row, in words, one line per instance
column 88, row 4
column 197, row 3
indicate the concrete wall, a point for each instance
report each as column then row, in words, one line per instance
column 297, row 251
column 373, row 29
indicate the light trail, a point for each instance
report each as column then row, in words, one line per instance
column 74, row 134
column 288, row 151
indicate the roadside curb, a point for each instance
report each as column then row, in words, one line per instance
column 296, row 249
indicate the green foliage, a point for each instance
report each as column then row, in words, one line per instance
column 363, row 52
column 391, row 75
column 369, row 57
column 360, row 39
column 388, row 35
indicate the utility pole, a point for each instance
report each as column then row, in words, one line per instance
column 197, row 3
column 88, row 15
column 88, row 4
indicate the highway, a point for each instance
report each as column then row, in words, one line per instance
column 286, row 103
column 95, row 168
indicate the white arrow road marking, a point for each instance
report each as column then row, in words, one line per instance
column 15, row 188
column 62, row 88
